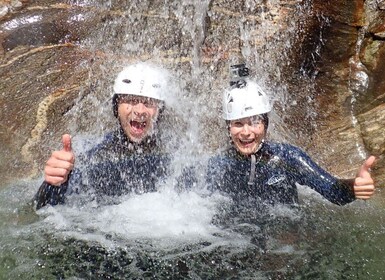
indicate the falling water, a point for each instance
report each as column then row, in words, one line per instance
column 173, row 234
column 358, row 83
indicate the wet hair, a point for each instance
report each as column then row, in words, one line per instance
column 265, row 120
column 115, row 100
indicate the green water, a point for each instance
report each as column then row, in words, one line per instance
column 316, row 241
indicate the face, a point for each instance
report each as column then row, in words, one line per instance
column 247, row 134
column 137, row 115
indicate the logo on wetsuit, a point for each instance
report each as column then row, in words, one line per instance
column 276, row 179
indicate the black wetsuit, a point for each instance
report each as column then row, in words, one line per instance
column 114, row 167
column 272, row 176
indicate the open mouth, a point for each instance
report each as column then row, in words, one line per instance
column 138, row 127
column 246, row 142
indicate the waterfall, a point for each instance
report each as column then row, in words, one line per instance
column 358, row 84
column 173, row 234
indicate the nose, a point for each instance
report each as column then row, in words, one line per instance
column 245, row 129
column 140, row 110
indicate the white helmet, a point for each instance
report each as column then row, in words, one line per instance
column 247, row 101
column 142, row 79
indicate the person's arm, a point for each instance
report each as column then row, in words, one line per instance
column 56, row 172
column 216, row 167
column 50, row 194
column 307, row 172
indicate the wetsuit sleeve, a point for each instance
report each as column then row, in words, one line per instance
column 53, row 195
column 213, row 177
column 308, row 173
column 49, row 194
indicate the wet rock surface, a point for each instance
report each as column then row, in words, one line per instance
column 350, row 90
column 324, row 60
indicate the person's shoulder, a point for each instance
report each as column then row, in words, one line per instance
column 108, row 138
column 108, row 141
column 282, row 148
column 223, row 156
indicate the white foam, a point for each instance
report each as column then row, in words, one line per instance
column 166, row 217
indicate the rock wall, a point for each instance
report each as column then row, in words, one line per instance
column 349, row 76
column 324, row 60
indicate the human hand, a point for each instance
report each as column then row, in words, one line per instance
column 363, row 183
column 60, row 164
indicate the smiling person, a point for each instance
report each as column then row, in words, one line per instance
column 270, row 171
column 129, row 158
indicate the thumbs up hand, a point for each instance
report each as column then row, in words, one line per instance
column 363, row 183
column 60, row 164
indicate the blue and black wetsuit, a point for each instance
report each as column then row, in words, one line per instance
column 271, row 174
column 114, row 167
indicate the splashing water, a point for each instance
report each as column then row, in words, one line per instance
column 165, row 217
column 185, row 235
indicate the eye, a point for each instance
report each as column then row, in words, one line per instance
column 149, row 102
column 256, row 120
column 237, row 124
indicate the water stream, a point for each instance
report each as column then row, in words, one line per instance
column 173, row 234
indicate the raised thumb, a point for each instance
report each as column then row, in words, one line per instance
column 66, row 140
column 365, row 168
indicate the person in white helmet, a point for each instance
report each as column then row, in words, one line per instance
column 130, row 152
column 270, row 171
